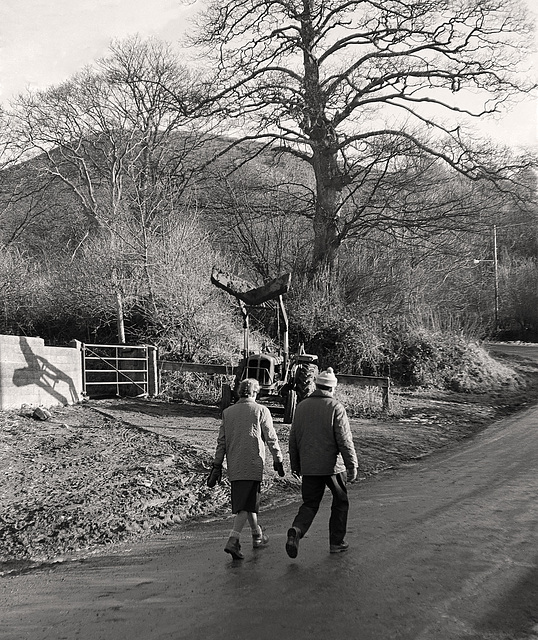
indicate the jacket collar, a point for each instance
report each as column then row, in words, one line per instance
column 321, row 393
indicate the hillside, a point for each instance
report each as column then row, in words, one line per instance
column 41, row 213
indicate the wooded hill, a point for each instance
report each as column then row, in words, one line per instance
column 254, row 217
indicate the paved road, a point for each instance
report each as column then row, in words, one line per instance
column 445, row 549
column 529, row 351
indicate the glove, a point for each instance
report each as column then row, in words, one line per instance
column 214, row 476
column 279, row 467
column 351, row 474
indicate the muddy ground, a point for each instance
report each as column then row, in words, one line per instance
column 106, row 471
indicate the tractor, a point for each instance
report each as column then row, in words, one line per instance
column 281, row 377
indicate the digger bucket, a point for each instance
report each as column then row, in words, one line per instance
column 243, row 290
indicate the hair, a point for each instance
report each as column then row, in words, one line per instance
column 248, row 387
column 324, row 387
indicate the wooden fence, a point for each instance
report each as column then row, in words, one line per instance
column 360, row 381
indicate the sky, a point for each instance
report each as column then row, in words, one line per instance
column 44, row 42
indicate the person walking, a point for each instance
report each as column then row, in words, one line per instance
column 246, row 428
column 322, row 452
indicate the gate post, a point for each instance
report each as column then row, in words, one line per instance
column 153, row 376
column 77, row 344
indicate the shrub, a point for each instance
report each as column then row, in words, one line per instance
column 425, row 358
column 367, row 402
column 411, row 354
column 193, row 387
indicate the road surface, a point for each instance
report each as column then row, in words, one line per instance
column 529, row 351
column 444, row 549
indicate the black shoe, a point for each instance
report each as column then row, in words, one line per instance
column 292, row 543
column 338, row 548
column 234, row 549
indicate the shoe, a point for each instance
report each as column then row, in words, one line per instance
column 338, row 548
column 234, row 549
column 292, row 543
column 259, row 540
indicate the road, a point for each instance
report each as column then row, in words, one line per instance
column 444, row 549
column 529, row 351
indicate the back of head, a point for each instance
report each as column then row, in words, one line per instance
column 248, row 388
column 326, row 380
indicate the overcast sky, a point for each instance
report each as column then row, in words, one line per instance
column 43, row 42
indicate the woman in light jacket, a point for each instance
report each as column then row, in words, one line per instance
column 246, row 428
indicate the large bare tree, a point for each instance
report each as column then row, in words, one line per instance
column 358, row 89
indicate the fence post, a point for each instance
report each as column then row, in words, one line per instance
column 153, row 375
column 386, row 395
column 77, row 344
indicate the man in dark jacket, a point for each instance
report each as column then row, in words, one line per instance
column 321, row 450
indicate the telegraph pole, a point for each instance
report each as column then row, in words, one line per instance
column 496, row 274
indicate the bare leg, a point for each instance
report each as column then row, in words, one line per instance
column 232, row 546
column 253, row 521
column 239, row 522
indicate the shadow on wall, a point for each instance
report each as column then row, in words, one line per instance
column 45, row 376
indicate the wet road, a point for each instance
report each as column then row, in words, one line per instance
column 444, row 549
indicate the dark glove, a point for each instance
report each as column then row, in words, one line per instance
column 279, row 468
column 214, row 476
column 351, row 474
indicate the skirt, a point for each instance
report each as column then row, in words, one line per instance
column 246, row 495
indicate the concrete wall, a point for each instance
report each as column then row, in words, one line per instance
column 36, row 375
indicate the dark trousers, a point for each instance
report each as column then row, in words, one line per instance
column 312, row 490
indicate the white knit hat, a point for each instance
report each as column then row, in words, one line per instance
column 327, row 378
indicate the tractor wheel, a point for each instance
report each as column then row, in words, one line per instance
column 226, row 398
column 289, row 407
column 305, row 380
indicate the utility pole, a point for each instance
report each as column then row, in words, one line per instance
column 496, row 274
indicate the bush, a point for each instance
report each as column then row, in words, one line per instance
column 367, row 402
column 425, row 358
column 24, row 292
column 193, row 387
column 411, row 354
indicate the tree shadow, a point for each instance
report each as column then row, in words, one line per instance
column 42, row 373
column 516, row 613
column 168, row 409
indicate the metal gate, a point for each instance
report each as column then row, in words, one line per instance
column 118, row 369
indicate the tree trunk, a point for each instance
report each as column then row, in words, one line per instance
column 120, row 318
column 322, row 136
column 326, row 214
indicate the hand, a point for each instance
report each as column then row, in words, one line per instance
column 351, row 474
column 215, row 475
column 279, row 467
